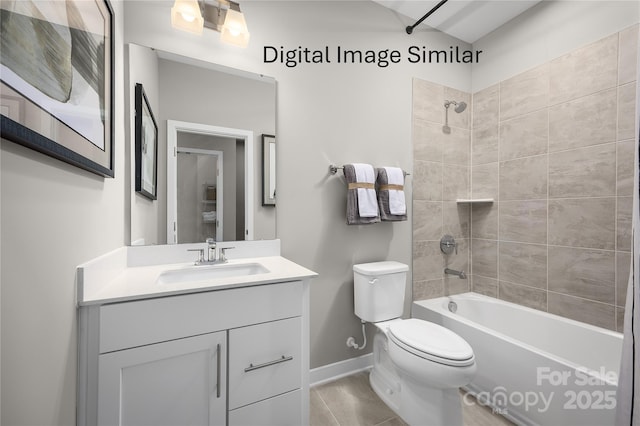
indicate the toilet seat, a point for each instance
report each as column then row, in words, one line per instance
column 432, row 342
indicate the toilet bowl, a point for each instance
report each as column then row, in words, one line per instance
column 418, row 366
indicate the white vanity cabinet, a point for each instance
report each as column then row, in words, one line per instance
column 170, row 383
column 235, row 356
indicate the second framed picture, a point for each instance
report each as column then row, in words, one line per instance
column 146, row 146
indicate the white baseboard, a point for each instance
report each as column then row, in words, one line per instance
column 331, row 372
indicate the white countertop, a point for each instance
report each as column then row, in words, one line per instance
column 112, row 278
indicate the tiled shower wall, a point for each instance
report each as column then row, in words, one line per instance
column 441, row 174
column 553, row 146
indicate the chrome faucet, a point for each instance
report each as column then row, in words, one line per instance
column 460, row 274
column 212, row 255
column 211, row 250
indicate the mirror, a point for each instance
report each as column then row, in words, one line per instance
column 197, row 97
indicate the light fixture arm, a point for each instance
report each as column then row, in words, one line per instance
column 410, row 28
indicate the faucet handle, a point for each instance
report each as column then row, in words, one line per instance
column 210, row 241
column 223, row 253
column 200, row 255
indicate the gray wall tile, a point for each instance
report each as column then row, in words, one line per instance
column 583, row 172
column 584, row 71
column 523, row 264
column 484, row 258
column 484, row 147
column 582, row 222
column 486, row 286
column 623, row 265
column 456, row 147
column 524, row 178
column 620, row 319
column 599, row 314
column 427, row 141
column 524, row 93
column 586, row 121
column 427, row 220
column 485, row 181
column 455, row 182
column 457, row 219
column 428, row 261
column 486, row 107
column 484, row 221
column 626, row 152
column 523, row 221
column 523, row 295
column 427, row 181
column 626, row 111
column 628, row 55
column 454, row 285
column 525, row 135
column 624, row 218
column 428, row 289
column 585, row 273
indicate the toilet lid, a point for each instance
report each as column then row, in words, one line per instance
column 431, row 341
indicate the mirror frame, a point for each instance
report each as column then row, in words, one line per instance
column 268, row 170
column 173, row 127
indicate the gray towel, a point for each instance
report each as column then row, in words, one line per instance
column 353, row 217
column 383, row 198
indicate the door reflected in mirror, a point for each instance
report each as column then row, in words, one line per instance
column 193, row 91
column 208, row 195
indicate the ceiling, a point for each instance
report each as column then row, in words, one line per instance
column 467, row 20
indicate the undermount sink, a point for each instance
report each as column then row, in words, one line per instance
column 211, row 272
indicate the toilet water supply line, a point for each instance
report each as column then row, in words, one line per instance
column 351, row 341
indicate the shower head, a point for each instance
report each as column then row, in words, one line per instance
column 459, row 106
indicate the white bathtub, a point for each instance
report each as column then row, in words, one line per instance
column 534, row 368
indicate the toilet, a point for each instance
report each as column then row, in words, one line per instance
column 418, row 366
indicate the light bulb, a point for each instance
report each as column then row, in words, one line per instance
column 188, row 17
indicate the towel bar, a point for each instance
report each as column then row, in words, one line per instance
column 333, row 169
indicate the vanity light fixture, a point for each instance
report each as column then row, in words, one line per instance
column 223, row 16
column 186, row 16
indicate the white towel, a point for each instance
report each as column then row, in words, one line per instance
column 367, row 201
column 397, row 203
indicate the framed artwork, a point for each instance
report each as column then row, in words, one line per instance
column 146, row 146
column 268, row 170
column 56, row 80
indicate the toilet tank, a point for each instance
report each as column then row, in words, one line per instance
column 378, row 290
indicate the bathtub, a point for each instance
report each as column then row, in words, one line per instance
column 534, row 368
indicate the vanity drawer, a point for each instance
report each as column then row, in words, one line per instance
column 281, row 410
column 264, row 361
column 130, row 324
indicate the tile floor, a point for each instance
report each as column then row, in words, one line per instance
column 350, row 401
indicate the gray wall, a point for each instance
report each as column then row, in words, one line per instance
column 53, row 217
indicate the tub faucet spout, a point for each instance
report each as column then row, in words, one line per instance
column 460, row 274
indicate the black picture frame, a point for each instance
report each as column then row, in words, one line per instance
column 146, row 132
column 268, row 170
column 69, row 117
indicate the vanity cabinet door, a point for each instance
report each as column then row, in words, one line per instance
column 179, row 382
